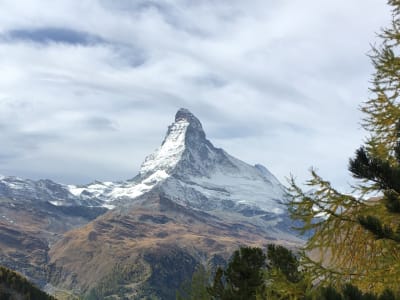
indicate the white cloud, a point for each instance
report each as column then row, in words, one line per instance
column 273, row 82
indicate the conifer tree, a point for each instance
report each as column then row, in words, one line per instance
column 355, row 239
column 196, row 288
column 285, row 261
column 284, row 278
column 242, row 278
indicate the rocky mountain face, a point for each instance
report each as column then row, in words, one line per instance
column 190, row 204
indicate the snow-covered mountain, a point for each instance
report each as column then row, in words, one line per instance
column 191, row 203
column 191, row 171
column 26, row 190
column 186, row 167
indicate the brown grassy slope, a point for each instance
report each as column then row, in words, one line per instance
column 27, row 230
column 162, row 241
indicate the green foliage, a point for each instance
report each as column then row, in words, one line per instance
column 350, row 292
column 354, row 239
column 15, row 286
column 218, row 290
column 283, row 260
column 196, row 288
column 283, row 276
column 386, row 176
column 242, row 278
column 244, row 273
column 329, row 293
column 248, row 276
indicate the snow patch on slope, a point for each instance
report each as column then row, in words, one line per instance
column 253, row 192
column 155, row 169
column 168, row 155
column 74, row 190
column 241, row 186
column 108, row 192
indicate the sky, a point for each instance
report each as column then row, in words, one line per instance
column 88, row 88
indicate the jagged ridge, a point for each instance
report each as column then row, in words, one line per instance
column 187, row 167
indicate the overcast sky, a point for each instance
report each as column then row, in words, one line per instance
column 88, row 88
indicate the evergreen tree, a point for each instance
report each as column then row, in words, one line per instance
column 329, row 293
column 196, row 288
column 283, row 276
column 219, row 290
column 242, row 278
column 355, row 240
column 349, row 292
column 285, row 261
column 15, row 286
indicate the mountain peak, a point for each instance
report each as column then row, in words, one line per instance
column 185, row 134
column 185, row 114
column 166, row 157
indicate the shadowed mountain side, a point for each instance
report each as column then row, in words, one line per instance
column 152, row 246
column 13, row 286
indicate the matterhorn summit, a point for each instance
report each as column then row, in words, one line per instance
column 165, row 158
column 185, row 149
column 187, row 168
column 191, row 171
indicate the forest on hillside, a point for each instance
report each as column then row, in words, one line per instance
column 14, row 286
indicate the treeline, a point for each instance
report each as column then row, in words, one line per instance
column 14, row 286
column 253, row 275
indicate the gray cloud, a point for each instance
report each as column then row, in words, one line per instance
column 101, row 124
column 208, row 81
column 48, row 35
column 18, row 145
column 8, row 155
column 128, row 53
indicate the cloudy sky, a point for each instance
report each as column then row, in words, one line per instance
column 88, row 88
